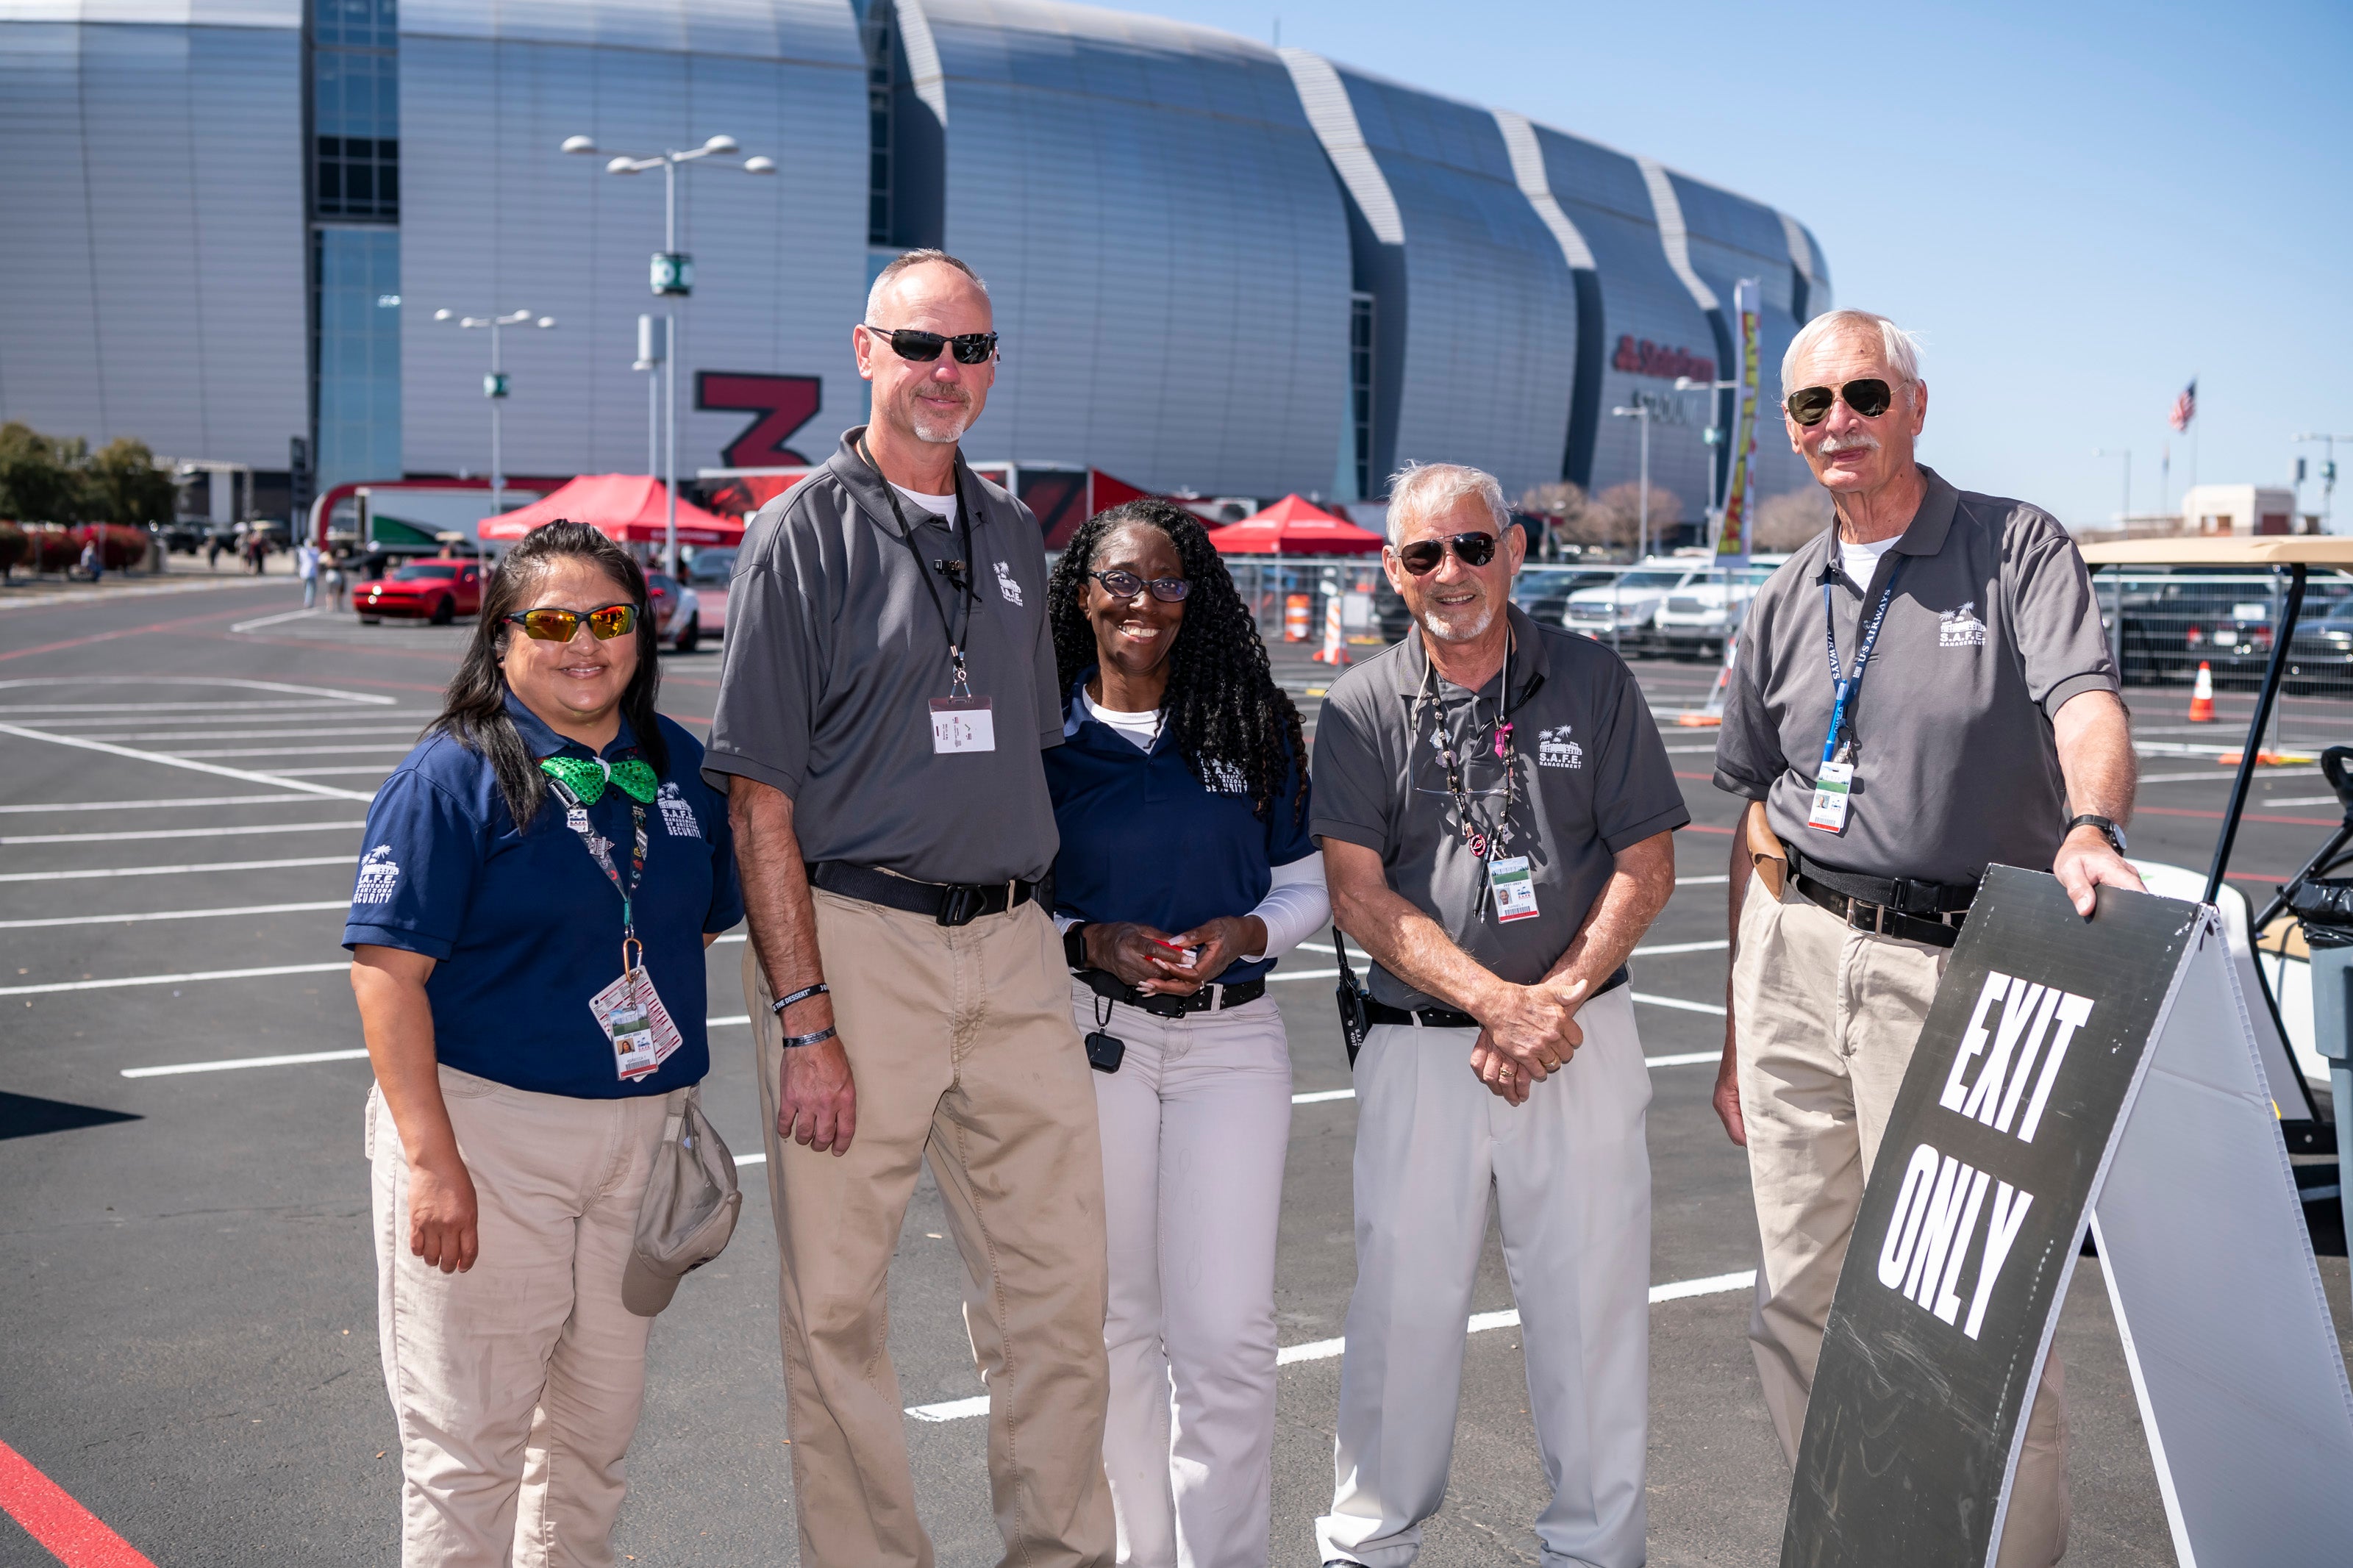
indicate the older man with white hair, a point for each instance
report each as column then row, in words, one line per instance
column 1975, row 708
column 1495, row 808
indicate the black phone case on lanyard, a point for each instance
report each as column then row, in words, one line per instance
column 1355, row 1022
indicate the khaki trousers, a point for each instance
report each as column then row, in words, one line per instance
column 960, row 1043
column 1827, row 1019
column 517, row 1384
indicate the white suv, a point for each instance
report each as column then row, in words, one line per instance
column 1630, row 606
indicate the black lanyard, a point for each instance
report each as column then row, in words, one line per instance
column 1484, row 841
column 1842, row 688
column 575, row 817
column 963, row 575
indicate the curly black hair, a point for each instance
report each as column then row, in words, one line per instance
column 1224, row 710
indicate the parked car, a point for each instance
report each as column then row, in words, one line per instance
column 1626, row 609
column 677, row 612
column 2320, row 659
column 435, row 591
column 708, row 574
column 1695, row 620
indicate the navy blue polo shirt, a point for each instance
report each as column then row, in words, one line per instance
column 526, row 927
column 1143, row 840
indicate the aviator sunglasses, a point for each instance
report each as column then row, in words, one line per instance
column 1122, row 585
column 1422, row 556
column 1809, row 405
column 560, row 625
column 971, row 348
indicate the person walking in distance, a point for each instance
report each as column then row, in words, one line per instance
column 1968, row 705
column 888, row 687
column 1496, row 811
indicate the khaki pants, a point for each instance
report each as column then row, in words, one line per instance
column 1828, row 1016
column 517, row 1384
column 961, row 1046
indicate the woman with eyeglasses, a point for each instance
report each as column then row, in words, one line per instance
column 1186, row 870
column 540, row 878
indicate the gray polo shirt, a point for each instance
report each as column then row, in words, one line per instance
column 834, row 651
column 1592, row 774
column 1993, row 625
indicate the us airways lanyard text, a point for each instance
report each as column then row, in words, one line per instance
column 575, row 817
column 1483, row 842
column 1842, row 687
column 961, row 575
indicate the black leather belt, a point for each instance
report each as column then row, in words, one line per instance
column 950, row 903
column 1447, row 1017
column 1912, row 911
column 1212, row 998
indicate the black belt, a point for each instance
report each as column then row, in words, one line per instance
column 1447, row 1017
column 1209, row 998
column 950, row 903
column 1912, row 911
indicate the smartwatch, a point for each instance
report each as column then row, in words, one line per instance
column 2109, row 829
column 1074, row 947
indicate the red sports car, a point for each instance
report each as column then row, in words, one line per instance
column 435, row 591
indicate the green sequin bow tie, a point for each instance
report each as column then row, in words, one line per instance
column 586, row 779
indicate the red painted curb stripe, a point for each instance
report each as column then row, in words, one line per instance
column 77, row 1538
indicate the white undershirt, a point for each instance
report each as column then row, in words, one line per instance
column 1860, row 560
column 938, row 506
column 1141, row 728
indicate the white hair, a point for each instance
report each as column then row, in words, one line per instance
column 1898, row 347
column 1418, row 489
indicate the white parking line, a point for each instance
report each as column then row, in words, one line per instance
column 379, row 769
column 120, row 983
column 170, row 762
column 407, row 745
column 273, row 620
column 241, row 714
column 174, row 871
column 1678, row 1004
column 67, row 678
column 177, row 915
column 178, row 832
column 151, row 738
column 1717, row 880
column 2300, row 800
column 298, row 1060
column 156, row 804
column 1661, row 949
column 1328, row 1350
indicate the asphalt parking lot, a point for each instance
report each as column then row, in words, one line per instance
column 184, row 1259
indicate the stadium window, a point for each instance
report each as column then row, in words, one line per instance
column 1360, row 386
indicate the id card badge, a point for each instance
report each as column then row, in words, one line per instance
column 1830, row 786
column 631, row 1014
column 1515, row 888
column 962, row 725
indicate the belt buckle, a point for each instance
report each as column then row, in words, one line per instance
column 959, row 904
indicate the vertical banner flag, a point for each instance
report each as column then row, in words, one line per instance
column 1740, row 485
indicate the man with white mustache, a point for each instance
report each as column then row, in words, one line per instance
column 1496, row 810
column 889, row 687
column 1974, row 706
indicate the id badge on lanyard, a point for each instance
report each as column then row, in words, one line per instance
column 629, row 1011
column 1835, row 781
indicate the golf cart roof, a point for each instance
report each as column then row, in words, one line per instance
column 2225, row 550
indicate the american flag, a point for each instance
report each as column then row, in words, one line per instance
column 2185, row 407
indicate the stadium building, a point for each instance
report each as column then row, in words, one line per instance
column 1217, row 268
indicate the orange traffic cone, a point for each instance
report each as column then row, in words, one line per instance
column 2201, row 695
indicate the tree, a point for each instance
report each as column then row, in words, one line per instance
column 122, row 484
column 1622, row 505
column 1557, row 506
column 1787, row 522
column 41, row 475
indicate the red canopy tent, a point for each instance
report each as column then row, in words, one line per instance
column 1293, row 526
column 626, row 507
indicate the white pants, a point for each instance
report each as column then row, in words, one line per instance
column 1196, row 1123
column 516, row 1385
column 1572, row 1180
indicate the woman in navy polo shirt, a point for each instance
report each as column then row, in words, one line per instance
column 513, row 1123
column 1186, row 870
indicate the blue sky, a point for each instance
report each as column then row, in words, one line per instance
column 2079, row 207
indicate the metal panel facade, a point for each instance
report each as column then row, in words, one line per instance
column 493, row 217
column 152, row 179
column 1166, row 252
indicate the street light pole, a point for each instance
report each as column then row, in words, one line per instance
column 494, row 387
column 673, row 276
column 2327, row 473
column 1640, row 414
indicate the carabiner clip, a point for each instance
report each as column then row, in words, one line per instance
column 631, row 965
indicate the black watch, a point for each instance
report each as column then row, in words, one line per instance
column 2108, row 830
column 1074, row 947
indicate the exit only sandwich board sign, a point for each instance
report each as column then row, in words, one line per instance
column 2075, row 1072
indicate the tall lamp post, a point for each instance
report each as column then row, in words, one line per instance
column 672, row 277
column 2327, row 473
column 1641, row 413
column 494, row 387
column 2124, row 518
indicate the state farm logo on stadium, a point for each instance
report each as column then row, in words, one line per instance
column 1933, row 1231
column 1556, row 749
column 677, row 815
column 379, row 874
column 1960, row 628
column 1643, row 357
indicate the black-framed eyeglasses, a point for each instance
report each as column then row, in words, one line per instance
column 548, row 624
column 971, row 348
column 1869, row 398
column 1422, row 556
column 1121, row 584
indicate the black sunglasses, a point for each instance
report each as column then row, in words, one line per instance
column 548, row 624
column 971, row 348
column 1122, row 585
column 1809, row 405
column 1423, row 555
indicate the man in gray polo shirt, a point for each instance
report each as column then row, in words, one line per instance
column 1495, row 808
column 889, row 684
column 1985, row 709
